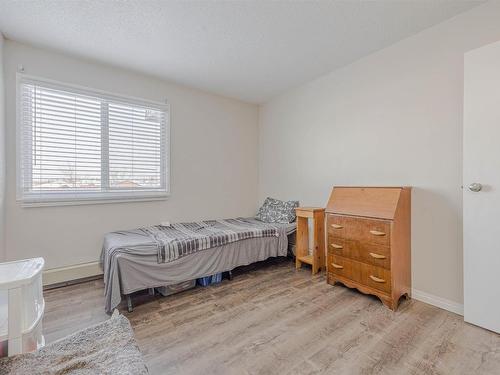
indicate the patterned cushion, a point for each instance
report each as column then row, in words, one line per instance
column 276, row 211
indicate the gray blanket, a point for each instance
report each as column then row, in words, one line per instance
column 106, row 348
column 130, row 261
column 181, row 239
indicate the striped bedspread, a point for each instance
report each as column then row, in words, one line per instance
column 181, row 239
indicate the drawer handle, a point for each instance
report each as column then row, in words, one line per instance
column 338, row 266
column 377, row 256
column 335, row 246
column 377, row 233
column 376, row 279
column 336, row 226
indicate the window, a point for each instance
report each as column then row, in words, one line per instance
column 80, row 145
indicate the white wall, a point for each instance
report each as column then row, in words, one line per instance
column 392, row 118
column 2, row 155
column 214, row 169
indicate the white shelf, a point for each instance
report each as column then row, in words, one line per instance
column 21, row 305
column 19, row 272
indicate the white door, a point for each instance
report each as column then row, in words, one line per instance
column 481, row 190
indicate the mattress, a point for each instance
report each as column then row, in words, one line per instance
column 130, row 261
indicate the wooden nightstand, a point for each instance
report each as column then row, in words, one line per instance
column 317, row 258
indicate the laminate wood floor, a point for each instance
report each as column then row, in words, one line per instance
column 272, row 319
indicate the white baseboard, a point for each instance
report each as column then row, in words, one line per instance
column 442, row 303
column 64, row 274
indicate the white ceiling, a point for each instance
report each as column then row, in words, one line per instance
column 250, row 50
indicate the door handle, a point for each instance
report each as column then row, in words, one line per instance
column 475, row 187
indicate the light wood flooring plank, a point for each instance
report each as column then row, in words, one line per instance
column 273, row 319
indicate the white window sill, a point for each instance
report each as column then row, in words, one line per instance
column 61, row 201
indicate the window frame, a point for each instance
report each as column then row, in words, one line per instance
column 76, row 198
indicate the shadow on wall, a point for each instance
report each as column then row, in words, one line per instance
column 435, row 220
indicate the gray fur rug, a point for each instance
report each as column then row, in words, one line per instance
column 106, row 348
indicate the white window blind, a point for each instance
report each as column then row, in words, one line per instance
column 80, row 145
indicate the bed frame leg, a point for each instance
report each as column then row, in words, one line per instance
column 151, row 291
column 230, row 275
column 129, row 303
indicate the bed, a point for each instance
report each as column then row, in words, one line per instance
column 130, row 259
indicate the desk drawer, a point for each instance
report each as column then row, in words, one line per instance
column 358, row 228
column 375, row 254
column 335, row 226
column 377, row 278
column 346, row 268
column 368, row 230
column 340, row 266
column 337, row 246
column 366, row 274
